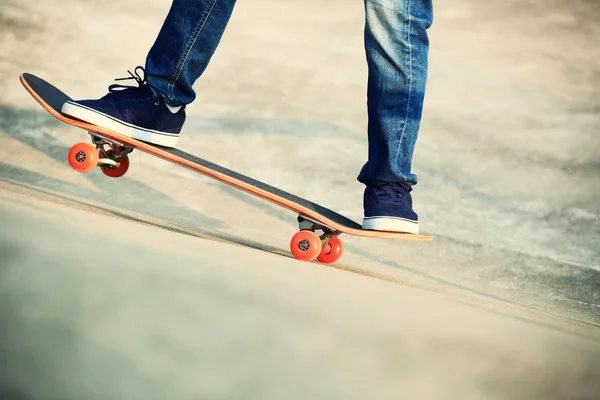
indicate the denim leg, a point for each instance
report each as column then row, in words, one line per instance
column 397, row 46
column 186, row 42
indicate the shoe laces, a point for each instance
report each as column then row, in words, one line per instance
column 135, row 75
column 117, row 89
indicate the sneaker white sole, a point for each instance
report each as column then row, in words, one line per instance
column 94, row 117
column 390, row 224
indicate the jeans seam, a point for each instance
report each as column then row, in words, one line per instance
column 189, row 47
column 410, row 80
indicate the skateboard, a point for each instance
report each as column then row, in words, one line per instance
column 319, row 227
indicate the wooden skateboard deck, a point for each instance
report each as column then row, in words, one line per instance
column 312, row 216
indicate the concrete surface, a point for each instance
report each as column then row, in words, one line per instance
column 148, row 287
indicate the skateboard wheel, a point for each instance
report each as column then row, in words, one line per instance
column 332, row 251
column 116, row 172
column 83, row 157
column 306, row 245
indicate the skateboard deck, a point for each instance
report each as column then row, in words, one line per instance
column 312, row 217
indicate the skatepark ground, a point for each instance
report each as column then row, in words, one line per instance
column 167, row 284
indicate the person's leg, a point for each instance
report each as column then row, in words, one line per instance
column 188, row 38
column 397, row 46
column 154, row 110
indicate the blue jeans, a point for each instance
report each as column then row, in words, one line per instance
column 396, row 45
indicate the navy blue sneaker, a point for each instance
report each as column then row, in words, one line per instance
column 388, row 207
column 132, row 111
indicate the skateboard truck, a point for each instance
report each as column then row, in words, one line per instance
column 111, row 155
column 308, row 224
column 107, row 153
column 307, row 245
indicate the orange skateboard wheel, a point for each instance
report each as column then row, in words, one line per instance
column 306, row 245
column 332, row 251
column 117, row 171
column 83, row 157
